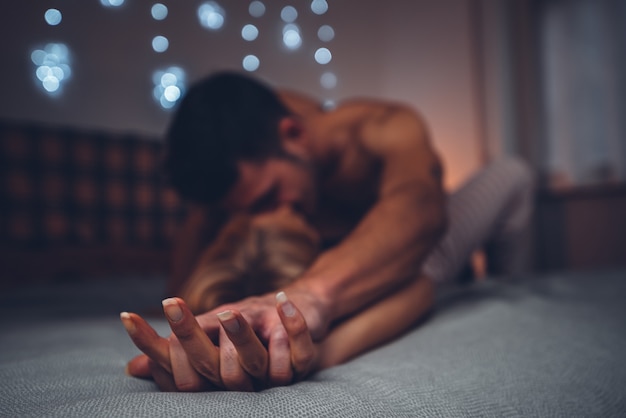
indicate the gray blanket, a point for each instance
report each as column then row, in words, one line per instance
column 545, row 346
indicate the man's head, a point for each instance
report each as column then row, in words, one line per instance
column 233, row 143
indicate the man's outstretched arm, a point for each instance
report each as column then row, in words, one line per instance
column 386, row 248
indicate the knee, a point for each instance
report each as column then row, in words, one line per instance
column 521, row 185
column 519, row 172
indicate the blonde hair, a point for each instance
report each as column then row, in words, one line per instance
column 251, row 256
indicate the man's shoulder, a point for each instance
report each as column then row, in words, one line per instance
column 300, row 103
column 369, row 112
column 375, row 124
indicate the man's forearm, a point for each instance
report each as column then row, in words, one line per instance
column 383, row 252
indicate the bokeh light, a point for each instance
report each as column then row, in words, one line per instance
column 53, row 17
column 323, row 56
column 329, row 104
column 319, row 7
column 169, row 86
column 249, row 32
column 256, row 9
column 160, row 43
column 326, row 33
column 112, row 3
column 291, row 36
column 52, row 66
column 251, row 63
column 211, row 15
column 159, row 11
column 289, row 14
column 328, row 80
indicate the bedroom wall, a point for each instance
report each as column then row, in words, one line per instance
column 418, row 51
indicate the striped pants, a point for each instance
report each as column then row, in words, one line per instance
column 492, row 211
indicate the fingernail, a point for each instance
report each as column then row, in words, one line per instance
column 229, row 321
column 128, row 322
column 172, row 310
column 285, row 305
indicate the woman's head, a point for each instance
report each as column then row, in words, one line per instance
column 251, row 256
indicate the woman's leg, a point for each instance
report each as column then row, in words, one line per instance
column 493, row 208
column 377, row 324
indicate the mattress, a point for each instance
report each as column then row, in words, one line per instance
column 551, row 345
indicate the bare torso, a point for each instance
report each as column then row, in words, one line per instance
column 349, row 173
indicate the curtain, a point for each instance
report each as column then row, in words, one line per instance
column 584, row 75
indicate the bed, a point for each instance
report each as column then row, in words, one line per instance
column 85, row 229
column 550, row 345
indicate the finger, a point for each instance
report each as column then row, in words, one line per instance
column 300, row 342
column 210, row 325
column 146, row 339
column 186, row 378
column 234, row 377
column 139, row 367
column 252, row 354
column 201, row 353
column 280, row 370
column 162, row 378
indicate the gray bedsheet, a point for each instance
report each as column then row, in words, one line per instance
column 545, row 346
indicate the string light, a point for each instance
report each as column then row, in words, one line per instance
column 53, row 69
column 211, row 15
column 159, row 11
column 251, row 63
column 53, row 17
column 112, row 3
column 169, row 85
column 160, row 43
column 256, row 9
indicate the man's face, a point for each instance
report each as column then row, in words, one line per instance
column 273, row 183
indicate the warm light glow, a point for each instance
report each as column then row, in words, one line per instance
column 319, row 7
column 250, row 63
column 289, row 14
column 211, row 15
column 53, row 17
column 159, row 11
column 256, row 9
column 249, row 32
column 323, row 56
column 326, row 33
column 160, row 43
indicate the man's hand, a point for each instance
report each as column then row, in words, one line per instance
column 190, row 360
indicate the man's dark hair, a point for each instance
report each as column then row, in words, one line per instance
column 223, row 119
